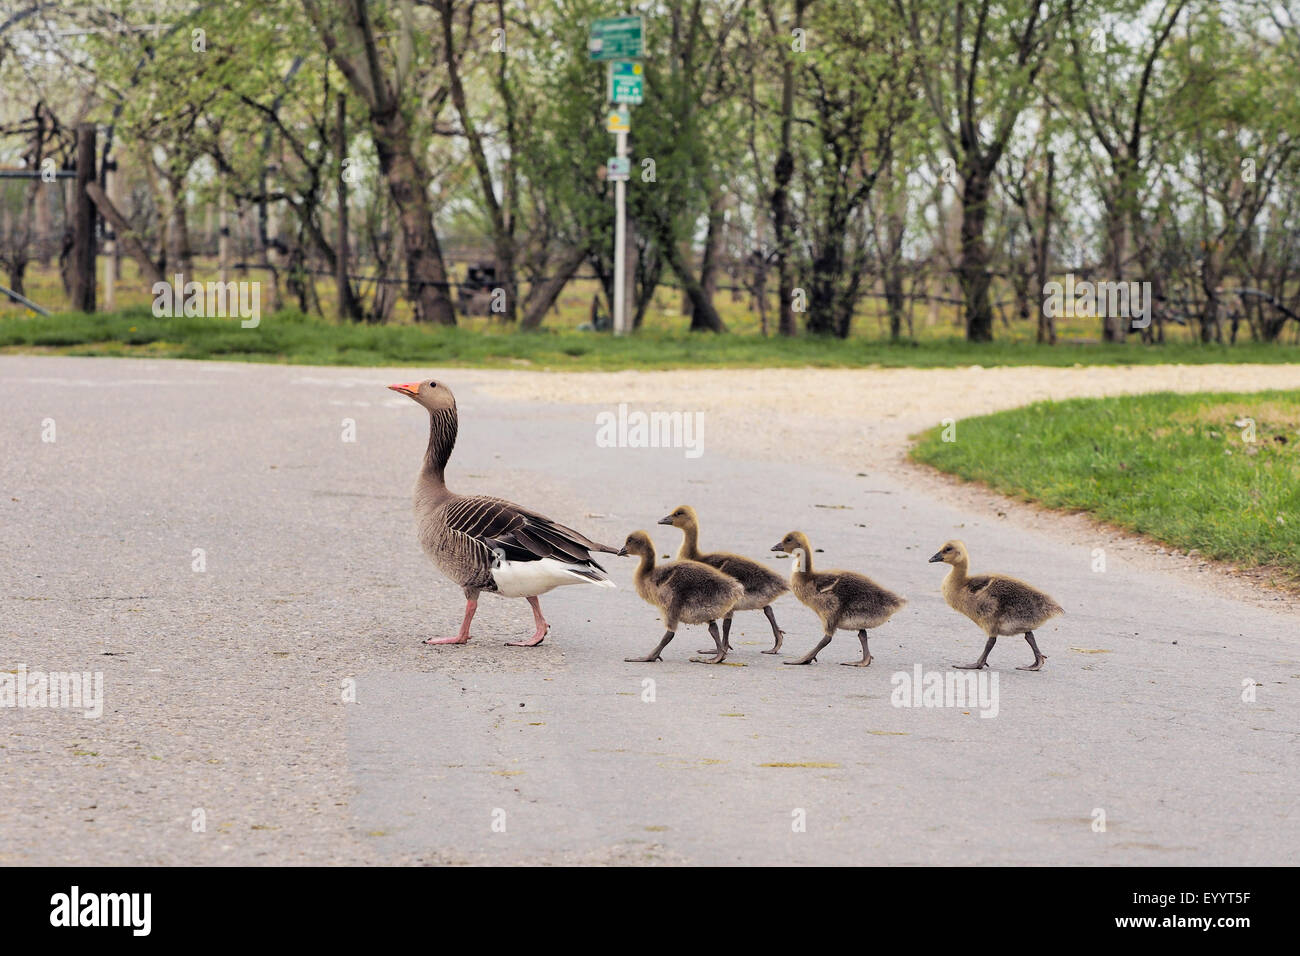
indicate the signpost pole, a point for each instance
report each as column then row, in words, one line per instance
column 620, row 243
column 621, row 42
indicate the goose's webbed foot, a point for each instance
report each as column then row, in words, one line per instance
column 778, row 635
column 653, row 655
column 1039, row 659
column 719, row 650
column 983, row 661
column 866, row 654
column 811, row 656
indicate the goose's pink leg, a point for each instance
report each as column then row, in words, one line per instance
column 542, row 627
column 463, row 636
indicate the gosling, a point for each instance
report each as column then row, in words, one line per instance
column 1000, row 605
column 844, row 600
column 762, row 585
column 685, row 592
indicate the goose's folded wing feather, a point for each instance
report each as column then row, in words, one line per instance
column 991, row 594
column 517, row 533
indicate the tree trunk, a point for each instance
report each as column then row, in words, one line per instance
column 1046, row 323
column 784, row 173
column 709, row 261
column 348, row 305
column 542, row 296
column 426, row 277
column 704, row 315
column 973, row 268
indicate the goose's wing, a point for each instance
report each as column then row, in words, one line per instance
column 517, row 534
column 991, row 593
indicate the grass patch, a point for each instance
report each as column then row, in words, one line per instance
column 291, row 337
column 1177, row 468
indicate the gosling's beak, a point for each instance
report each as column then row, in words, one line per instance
column 777, row 547
column 666, row 519
column 937, row 557
column 622, row 552
column 406, row 388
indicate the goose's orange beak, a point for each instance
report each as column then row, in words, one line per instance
column 408, row 388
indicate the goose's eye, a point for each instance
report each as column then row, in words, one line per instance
column 433, row 384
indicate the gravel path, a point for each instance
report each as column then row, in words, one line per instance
column 224, row 688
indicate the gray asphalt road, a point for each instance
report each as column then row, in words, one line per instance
column 225, row 736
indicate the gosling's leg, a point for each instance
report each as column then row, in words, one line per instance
column 463, row 636
column 1039, row 659
column 811, row 655
column 778, row 635
column 983, row 661
column 726, row 641
column 542, row 627
column 720, row 651
column 653, row 655
column 866, row 653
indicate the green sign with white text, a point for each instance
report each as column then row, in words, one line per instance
column 626, row 82
column 617, row 38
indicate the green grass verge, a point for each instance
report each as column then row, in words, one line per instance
column 1174, row 467
column 295, row 338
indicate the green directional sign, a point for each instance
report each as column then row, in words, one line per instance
column 617, row 38
column 626, row 82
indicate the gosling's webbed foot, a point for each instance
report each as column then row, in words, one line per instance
column 811, row 656
column 709, row 660
column 984, row 658
column 776, row 648
column 1039, row 658
column 648, row 659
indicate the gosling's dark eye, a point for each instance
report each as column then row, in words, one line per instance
column 433, row 384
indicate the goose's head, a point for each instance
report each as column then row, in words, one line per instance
column 683, row 517
column 792, row 542
column 954, row 552
column 638, row 543
column 432, row 394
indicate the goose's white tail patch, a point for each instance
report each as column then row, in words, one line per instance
column 531, row 578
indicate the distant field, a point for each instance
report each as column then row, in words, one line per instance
column 1178, row 468
column 294, row 338
column 936, row 339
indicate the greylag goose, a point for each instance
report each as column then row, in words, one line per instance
column 762, row 585
column 686, row 592
column 844, row 600
column 489, row 544
column 1000, row 605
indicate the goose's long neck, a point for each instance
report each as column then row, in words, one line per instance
column 442, row 439
column 957, row 576
column 646, row 566
column 690, row 543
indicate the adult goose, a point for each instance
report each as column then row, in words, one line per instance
column 489, row 544
column 999, row 604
